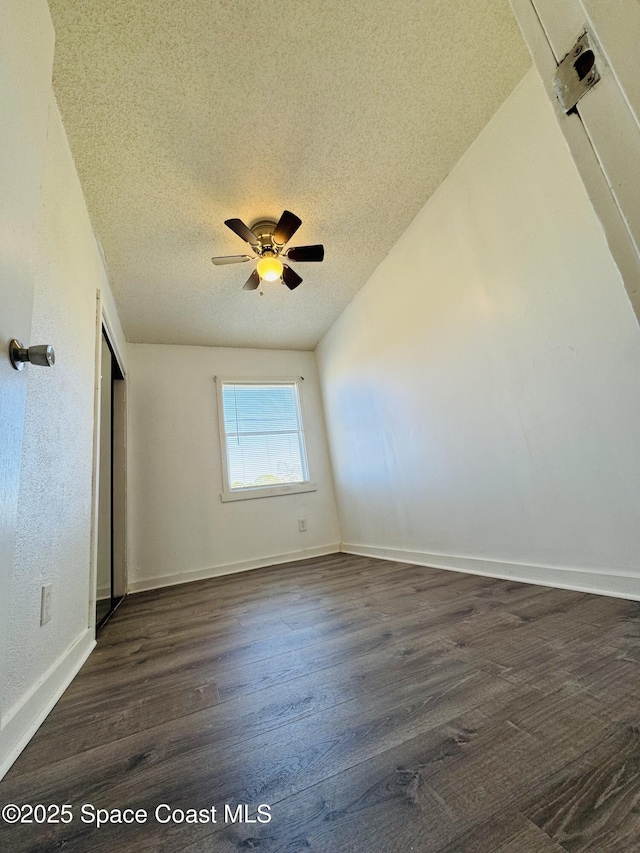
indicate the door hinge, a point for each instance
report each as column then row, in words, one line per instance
column 577, row 73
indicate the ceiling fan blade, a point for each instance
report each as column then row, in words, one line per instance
column 306, row 253
column 290, row 277
column 286, row 227
column 239, row 228
column 253, row 281
column 230, row 259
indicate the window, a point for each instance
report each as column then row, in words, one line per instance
column 262, row 439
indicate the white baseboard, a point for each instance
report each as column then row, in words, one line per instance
column 26, row 717
column 144, row 584
column 618, row 584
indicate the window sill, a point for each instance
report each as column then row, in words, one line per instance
column 268, row 492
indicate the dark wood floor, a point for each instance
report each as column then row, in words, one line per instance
column 374, row 706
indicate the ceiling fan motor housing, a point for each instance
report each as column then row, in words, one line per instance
column 263, row 229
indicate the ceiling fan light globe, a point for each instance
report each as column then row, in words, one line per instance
column 270, row 269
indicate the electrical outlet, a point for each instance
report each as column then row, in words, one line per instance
column 302, row 525
column 45, row 604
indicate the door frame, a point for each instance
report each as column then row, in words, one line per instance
column 119, row 463
column 592, row 159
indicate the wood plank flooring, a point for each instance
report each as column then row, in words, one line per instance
column 374, row 706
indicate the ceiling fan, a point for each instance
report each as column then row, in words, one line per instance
column 268, row 239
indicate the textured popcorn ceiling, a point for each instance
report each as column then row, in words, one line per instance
column 183, row 113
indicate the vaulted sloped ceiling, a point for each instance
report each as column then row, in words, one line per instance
column 183, row 113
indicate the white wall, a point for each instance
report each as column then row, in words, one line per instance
column 53, row 542
column 180, row 529
column 25, row 81
column 482, row 391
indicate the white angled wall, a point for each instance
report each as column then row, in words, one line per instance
column 180, row 530
column 482, row 391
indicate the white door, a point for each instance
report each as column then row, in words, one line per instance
column 26, row 60
column 603, row 132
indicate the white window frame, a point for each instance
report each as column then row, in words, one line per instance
column 229, row 494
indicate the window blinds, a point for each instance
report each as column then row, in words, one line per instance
column 263, row 430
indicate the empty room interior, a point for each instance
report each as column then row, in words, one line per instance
column 319, row 426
